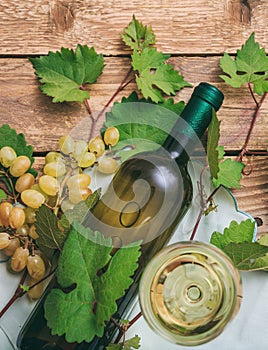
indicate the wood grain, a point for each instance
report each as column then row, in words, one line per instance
column 24, row 106
column 184, row 27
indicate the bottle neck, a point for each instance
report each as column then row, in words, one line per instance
column 194, row 120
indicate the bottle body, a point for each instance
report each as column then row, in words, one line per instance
column 145, row 201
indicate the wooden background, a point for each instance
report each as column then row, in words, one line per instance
column 194, row 32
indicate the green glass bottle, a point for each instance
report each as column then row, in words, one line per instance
column 147, row 198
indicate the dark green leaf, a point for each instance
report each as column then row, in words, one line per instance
column 50, row 237
column 92, row 299
column 64, row 72
column 138, row 36
column 212, row 145
column 130, row 344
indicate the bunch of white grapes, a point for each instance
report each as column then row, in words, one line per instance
column 61, row 186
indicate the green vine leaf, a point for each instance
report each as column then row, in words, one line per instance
column 250, row 66
column 236, row 233
column 92, row 296
column 140, row 119
column 50, row 237
column 65, row 73
column 3, row 195
column 130, row 344
column 138, row 36
column 155, row 76
column 212, row 145
column 230, row 174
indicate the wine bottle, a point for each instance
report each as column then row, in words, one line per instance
column 145, row 201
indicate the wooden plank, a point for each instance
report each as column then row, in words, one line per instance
column 25, row 108
column 252, row 197
column 188, row 27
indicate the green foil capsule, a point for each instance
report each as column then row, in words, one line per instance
column 189, row 292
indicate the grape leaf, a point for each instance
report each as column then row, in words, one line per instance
column 133, row 343
column 80, row 211
column 230, row 174
column 142, row 124
column 92, row 297
column 63, row 73
column 236, row 232
column 155, row 76
column 212, row 145
column 248, row 255
column 50, row 237
column 250, row 66
column 9, row 137
column 3, row 195
column 137, row 35
column 263, row 239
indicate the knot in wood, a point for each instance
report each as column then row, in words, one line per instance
column 62, row 16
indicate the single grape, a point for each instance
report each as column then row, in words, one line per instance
column 78, row 181
column 23, row 230
column 24, row 182
column 49, row 185
column 53, row 157
column 35, row 292
column 19, row 259
column 87, row 160
column 96, row 146
column 111, row 136
column 32, row 232
column 66, row 205
column 36, row 266
column 19, row 166
column 4, row 240
column 107, row 165
column 14, row 243
column 66, row 144
column 80, row 195
column 32, row 198
column 30, row 215
column 55, row 169
column 7, row 156
column 5, row 210
column 80, row 147
column 37, row 188
column 16, row 217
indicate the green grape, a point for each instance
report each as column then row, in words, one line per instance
column 78, row 181
column 4, row 240
column 16, row 217
column 96, row 146
column 30, row 215
column 52, row 157
column 49, row 185
column 55, row 169
column 66, row 205
column 66, row 144
column 7, row 156
column 80, row 195
column 87, row 160
column 107, row 165
column 35, row 292
column 24, row 182
column 32, row 232
column 36, row 266
column 111, row 136
column 19, row 166
column 32, row 198
column 23, row 230
column 80, row 147
column 19, row 259
column 5, row 210
column 14, row 243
